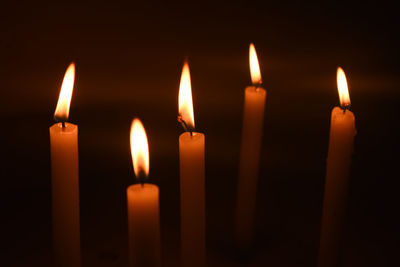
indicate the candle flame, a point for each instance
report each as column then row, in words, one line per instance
column 185, row 97
column 139, row 149
column 254, row 66
column 342, row 88
column 64, row 100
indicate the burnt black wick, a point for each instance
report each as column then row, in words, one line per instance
column 184, row 125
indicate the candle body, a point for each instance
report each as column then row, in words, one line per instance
column 144, row 225
column 253, row 120
column 192, row 187
column 65, row 194
column 341, row 140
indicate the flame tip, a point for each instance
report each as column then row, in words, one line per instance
column 343, row 89
column 185, row 101
column 139, row 149
column 64, row 100
column 254, row 65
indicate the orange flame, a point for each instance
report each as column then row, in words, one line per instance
column 139, row 149
column 64, row 100
column 185, row 97
column 254, row 66
column 342, row 88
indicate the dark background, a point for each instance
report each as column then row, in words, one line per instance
column 129, row 57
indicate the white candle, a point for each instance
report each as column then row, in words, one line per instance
column 65, row 180
column 143, row 206
column 192, row 181
column 341, row 139
column 253, row 121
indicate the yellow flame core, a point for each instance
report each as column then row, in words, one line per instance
column 342, row 88
column 185, row 97
column 254, row 66
column 139, row 149
column 64, row 100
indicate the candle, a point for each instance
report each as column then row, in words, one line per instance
column 65, row 179
column 341, row 139
column 192, row 180
column 253, row 120
column 143, row 205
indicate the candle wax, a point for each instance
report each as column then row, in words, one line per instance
column 192, row 182
column 253, row 121
column 144, row 225
column 341, row 140
column 65, row 194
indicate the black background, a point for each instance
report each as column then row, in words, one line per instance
column 128, row 61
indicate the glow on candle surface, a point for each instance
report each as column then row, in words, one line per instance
column 143, row 205
column 192, row 180
column 253, row 121
column 65, row 180
column 340, row 150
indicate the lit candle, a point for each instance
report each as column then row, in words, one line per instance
column 253, row 120
column 337, row 175
column 192, row 180
column 65, row 179
column 143, row 205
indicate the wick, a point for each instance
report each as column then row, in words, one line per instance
column 141, row 177
column 184, row 125
column 347, row 107
column 63, row 124
column 257, row 86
